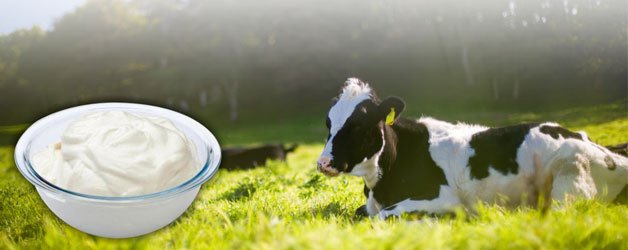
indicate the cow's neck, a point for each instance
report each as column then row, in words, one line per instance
column 392, row 139
column 389, row 154
column 408, row 169
column 371, row 171
column 382, row 160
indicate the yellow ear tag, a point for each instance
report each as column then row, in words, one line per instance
column 390, row 118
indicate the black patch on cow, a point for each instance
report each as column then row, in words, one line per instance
column 408, row 170
column 358, row 138
column 497, row 148
column 556, row 132
column 620, row 149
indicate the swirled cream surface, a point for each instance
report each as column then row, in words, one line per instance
column 116, row 153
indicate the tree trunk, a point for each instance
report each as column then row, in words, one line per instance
column 233, row 101
column 495, row 89
column 515, row 90
column 468, row 72
column 202, row 98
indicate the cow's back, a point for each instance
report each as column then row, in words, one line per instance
column 491, row 164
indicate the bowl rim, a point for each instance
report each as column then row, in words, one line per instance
column 207, row 171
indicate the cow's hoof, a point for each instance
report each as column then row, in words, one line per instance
column 361, row 212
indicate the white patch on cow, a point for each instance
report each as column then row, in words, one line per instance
column 504, row 189
column 559, row 167
column 449, row 147
column 447, row 201
column 578, row 168
column 584, row 135
column 352, row 94
column 372, row 206
column 539, row 145
column 369, row 169
column 563, row 167
column 439, row 129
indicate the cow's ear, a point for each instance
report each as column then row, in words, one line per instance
column 390, row 109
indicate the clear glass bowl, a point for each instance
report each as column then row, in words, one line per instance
column 116, row 217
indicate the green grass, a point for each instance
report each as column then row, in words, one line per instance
column 289, row 205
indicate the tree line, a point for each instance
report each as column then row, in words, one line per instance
column 242, row 60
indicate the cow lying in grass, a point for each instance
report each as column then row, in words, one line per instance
column 432, row 166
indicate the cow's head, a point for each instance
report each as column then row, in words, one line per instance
column 356, row 121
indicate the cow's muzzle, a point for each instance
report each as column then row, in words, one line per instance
column 324, row 165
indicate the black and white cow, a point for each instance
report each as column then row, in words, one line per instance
column 432, row 166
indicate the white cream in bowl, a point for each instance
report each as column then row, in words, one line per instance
column 116, row 153
column 150, row 137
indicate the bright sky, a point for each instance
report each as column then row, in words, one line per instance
column 17, row 14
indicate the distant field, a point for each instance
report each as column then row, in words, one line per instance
column 310, row 128
column 291, row 206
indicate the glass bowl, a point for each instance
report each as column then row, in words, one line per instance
column 121, row 216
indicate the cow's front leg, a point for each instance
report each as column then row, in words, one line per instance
column 361, row 212
column 405, row 206
column 446, row 202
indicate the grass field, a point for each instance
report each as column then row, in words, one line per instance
column 290, row 205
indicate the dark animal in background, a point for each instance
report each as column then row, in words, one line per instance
column 251, row 157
